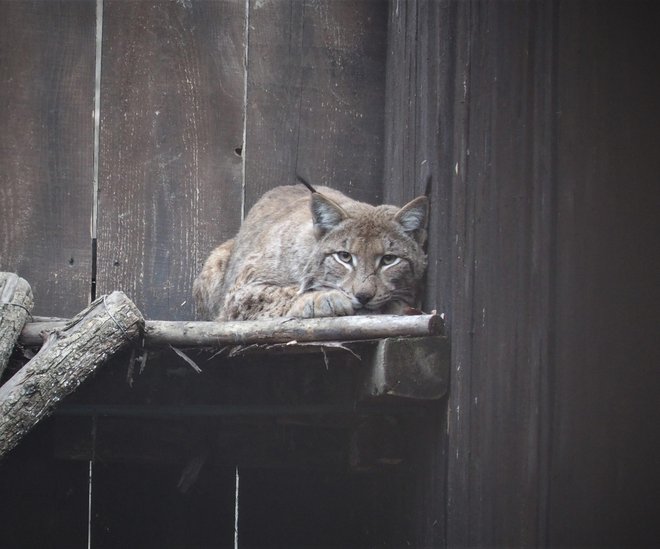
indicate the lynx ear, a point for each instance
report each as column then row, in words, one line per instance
column 326, row 214
column 413, row 216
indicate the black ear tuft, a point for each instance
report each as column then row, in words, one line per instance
column 326, row 214
column 306, row 183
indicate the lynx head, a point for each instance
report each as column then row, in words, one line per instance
column 373, row 254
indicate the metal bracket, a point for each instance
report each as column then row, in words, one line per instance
column 415, row 368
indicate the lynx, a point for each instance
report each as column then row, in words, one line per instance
column 302, row 254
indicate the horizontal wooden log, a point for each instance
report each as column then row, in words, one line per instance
column 15, row 305
column 68, row 357
column 280, row 330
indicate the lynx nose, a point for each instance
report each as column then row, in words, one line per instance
column 364, row 297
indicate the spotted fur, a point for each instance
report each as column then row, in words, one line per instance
column 302, row 254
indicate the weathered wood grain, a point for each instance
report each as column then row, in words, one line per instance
column 451, row 113
column 46, row 148
column 170, row 182
column 315, row 95
column 547, row 118
column 502, row 255
column 15, row 305
column 423, row 103
column 66, row 360
column 424, row 113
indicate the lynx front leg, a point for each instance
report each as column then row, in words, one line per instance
column 321, row 303
column 255, row 301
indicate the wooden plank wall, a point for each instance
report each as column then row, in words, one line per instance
column 46, row 149
column 501, row 292
column 604, row 461
column 46, row 172
column 315, row 95
column 204, row 105
column 171, row 119
column 537, row 121
column 417, row 92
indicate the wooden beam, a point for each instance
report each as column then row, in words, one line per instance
column 280, row 330
column 66, row 359
column 15, row 305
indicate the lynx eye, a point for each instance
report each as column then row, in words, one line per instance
column 388, row 259
column 344, row 257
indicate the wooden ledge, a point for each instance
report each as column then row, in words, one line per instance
column 382, row 376
column 401, row 356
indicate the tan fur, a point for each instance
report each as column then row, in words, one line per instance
column 300, row 254
column 208, row 285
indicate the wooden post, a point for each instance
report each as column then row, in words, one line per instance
column 15, row 306
column 67, row 358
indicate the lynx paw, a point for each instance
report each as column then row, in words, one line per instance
column 326, row 303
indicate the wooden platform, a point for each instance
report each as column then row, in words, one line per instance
column 345, row 404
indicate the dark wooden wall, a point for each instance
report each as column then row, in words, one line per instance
column 171, row 117
column 204, row 105
column 316, row 95
column 539, row 122
column 47, row 149
column 604, row 470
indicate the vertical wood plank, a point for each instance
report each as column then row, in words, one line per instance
column 423, row 138
column 501, row 294
column 425, row 77
column 605, row 439
column 46, row 172
column 172, row 122
column 469, row 101
column 460, row 257
column 46, row 149
column 315, row 95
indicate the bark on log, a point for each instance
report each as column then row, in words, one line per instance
column 15, row 305
column 279, row 330
column 67, row 358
